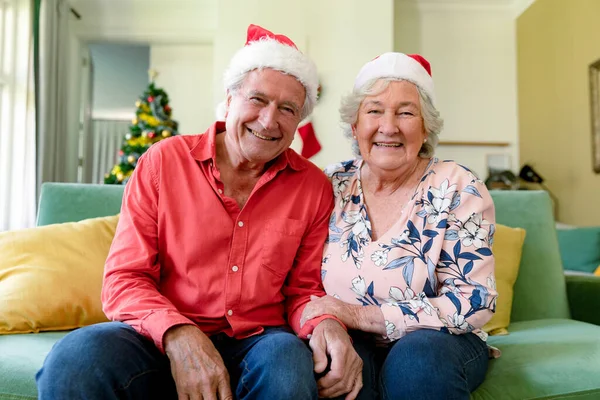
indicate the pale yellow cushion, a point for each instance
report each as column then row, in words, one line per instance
column 597, row 271
column 507, row 248
column 51, row 276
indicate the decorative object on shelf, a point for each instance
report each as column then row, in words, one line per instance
column 501, row 180
column 528, row 174
column 151, row 124
column 594, row 73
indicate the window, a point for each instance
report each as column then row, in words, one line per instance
column 17, row 115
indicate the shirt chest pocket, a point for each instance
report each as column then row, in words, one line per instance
column 282, row 238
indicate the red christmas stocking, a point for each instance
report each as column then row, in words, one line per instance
column 310, row 143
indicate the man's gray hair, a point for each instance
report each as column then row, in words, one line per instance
column 235, row 83
column 350, row 105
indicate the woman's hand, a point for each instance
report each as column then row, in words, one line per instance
column 347, row 313
column 363, row 318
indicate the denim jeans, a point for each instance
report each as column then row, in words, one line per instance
column 425, row 364
column 112, row 361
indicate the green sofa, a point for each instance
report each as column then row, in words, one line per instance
column 552, row 351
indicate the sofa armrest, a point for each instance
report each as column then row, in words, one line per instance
column 583, row 292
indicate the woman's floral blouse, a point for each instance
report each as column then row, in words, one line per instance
column 433, row 269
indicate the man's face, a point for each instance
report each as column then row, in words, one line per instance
column 263, row 114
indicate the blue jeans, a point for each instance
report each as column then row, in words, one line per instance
column 425, row 364
column 112, row 361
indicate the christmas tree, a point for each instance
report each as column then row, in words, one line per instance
column 152, row 123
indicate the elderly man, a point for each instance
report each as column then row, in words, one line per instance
column 219, row 241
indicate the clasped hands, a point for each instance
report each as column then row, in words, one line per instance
column 200, row 373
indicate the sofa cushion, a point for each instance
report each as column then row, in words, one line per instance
column 21, row 356
column 544, row 359
column 508, row 243
column 540, row 291
column 580, row 248
column 51, row 276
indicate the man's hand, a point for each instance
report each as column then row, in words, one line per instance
column 345, row 374
column 196, row 365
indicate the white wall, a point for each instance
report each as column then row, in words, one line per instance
column 473, row 55
column 186, row 74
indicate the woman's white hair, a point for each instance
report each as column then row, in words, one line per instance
column 350, row 105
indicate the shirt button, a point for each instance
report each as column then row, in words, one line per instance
column 230, row 312
column 220, row 191
column 234, row 268
column 240, row 224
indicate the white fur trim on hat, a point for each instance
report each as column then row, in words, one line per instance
column 269, row 53
column 397, row 66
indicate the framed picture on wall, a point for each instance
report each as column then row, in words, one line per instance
column 594, row 72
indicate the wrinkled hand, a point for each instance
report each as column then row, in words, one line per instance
column 345, row 374
column 196, row 365
column 347, row 313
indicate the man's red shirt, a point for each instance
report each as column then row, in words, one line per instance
column 184, row 253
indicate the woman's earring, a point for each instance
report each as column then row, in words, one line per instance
column 354, row 137
column 425, row 140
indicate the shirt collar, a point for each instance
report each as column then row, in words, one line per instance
column 205, row 149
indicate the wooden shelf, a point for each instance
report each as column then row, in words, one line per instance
column 473, row 144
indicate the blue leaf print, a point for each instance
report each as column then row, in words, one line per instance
column 407, row 273
column 428, row 290
column 413, row 232
column 332, row 226
column 456, row 249
column 444, row 256
column 472, row 190
column 364, row 302
column 430, row 233
column 431, row 274
column 427, row 246
column 355, row 199
column 353, row 243
column 370, row 289
column 475, row 300
column 323, row 273
column 455, row 201
column 468, row 268
column 347, row 165
column 398, row 262
column 469, row 256
column 408, row 311
column 442, row 224
column 465, row 168
column 422, row 213
column 451, row 235
column 334, row 238
column 484, row 251
column 454, row 301
column 430, row 196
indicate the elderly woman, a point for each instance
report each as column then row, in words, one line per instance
column 408, row 264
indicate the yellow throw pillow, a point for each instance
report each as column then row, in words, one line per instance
column 51, row 276
column 507, row 248
column 597, row 271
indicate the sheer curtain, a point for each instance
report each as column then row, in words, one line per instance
column 107, row 139
column 55, row 149
column 17, row 116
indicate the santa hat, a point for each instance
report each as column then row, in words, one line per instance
column 411, row 67
column 265, row 49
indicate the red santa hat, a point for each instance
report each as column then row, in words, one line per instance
column 411, row 67
column 265, row 49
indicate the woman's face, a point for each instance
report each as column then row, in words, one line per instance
column 389, row 128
